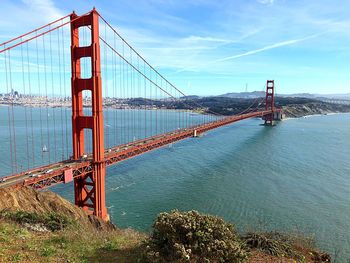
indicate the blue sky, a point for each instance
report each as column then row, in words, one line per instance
column 209, row 47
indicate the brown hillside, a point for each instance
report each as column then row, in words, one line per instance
column 45, row 202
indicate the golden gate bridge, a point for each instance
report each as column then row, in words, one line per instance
column 75, row 73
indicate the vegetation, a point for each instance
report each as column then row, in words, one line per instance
column 271, row 243
column 283, row 245
column 50, row 221
column 274, row 244
column 191, row 236
column 72, row 244
column 177, row 237
column 43, row 227
column 194, row 237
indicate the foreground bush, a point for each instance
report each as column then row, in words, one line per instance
column 190, row 236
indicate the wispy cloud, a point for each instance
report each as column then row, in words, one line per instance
column 251, row 52
column 269, row 47
column 266, row 2
column 29, row 14
column 46, row 8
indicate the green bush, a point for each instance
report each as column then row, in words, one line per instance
column 190, row 236
column 272, row 243
column 285, row 245
column 51, row 221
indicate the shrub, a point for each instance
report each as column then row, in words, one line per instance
column 56, row 222
column 282, row 245
column 267, row 242
column 51, row 221
column 187, row 236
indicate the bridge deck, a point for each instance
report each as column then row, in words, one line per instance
column 52, row 174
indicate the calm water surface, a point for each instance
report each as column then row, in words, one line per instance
column 291, row 177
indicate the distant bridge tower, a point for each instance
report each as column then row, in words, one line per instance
column 89, row 189
column 270, row 101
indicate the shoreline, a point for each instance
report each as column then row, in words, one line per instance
column 315, row 115
column 89, row 107
column 287, row 114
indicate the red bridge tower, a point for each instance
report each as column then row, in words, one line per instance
column 89, row 189
column 270, row 101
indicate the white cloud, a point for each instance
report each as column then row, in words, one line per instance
column 266, row 2
column 248, row 53
column 273, row 46
column 24, row 16
column 46, row 8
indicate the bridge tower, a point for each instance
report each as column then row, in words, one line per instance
column 270, row 101
column 89, row 189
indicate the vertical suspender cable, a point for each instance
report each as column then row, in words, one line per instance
column 133, row 89
column 9, row 112
column 106, row 87
column 156, row 98
column 40, row 96
column 31, row 108
column 53, row 98
column 65, row 95
column 121, row 100
column 162, row 112
column 114, row 90
column 25, row 109
column 13, row 115
column 60, row 98
column 139, row 107
column 124, row 100
column 128, row 99
column 151, row 100
column 131, row 72
column 47, row 102
column 145, row 96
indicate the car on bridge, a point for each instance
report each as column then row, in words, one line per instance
column 2, row 180
column 35, row 175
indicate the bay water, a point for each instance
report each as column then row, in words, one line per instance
column 293, row 177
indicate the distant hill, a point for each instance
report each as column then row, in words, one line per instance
column 257, row 94
column 337, row 96
column 190, row 97
column 244, row 95
column 299, row 95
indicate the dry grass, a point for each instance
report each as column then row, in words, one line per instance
column 72, row 244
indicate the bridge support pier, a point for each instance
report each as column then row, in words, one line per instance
column 89, row 189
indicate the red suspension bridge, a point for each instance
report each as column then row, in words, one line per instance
column 60, row 123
